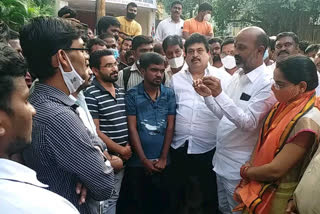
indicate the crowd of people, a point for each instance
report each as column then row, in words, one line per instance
column 182, row 123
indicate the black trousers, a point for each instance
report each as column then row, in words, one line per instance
column 144, row 194
column 192, row 183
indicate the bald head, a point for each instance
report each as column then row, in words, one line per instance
column 259, row 34
column 250, row 45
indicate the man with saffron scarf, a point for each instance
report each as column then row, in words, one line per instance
column 285, row 143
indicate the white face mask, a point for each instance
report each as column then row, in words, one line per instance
column 207, row 17
column 72, row 79
column 176, row 62
column 228, row 62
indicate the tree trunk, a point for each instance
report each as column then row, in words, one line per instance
column 100, row 9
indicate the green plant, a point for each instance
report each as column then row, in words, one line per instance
column 16, row 13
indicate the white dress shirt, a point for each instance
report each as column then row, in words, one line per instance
column 168, row 27
column 84, row 113
column 21, row 192
column 194, row 121
column 272, row 67
column 242, row 108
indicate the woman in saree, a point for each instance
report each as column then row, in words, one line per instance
column 287, row 138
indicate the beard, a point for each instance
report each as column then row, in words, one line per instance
column 131, row 15
column 109, row 78
column 216, row 58
column 17, row 145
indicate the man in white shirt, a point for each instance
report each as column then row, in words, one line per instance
column 172, row 25
column 20, row 190
column 194, row 139
column 286, row 44
column 173, row 49
column 241, row 108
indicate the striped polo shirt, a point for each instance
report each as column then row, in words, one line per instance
column 111, row 111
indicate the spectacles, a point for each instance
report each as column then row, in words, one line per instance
column 277, row 86
column 83, row 50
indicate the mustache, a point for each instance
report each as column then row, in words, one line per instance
column 284, row 51
column 237, row 57
column 195, row 58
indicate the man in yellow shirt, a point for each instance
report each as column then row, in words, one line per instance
column 129, row 27
column 200, row 23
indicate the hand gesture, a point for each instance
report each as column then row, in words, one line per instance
column 149, row 166
column 126, row 152
column 66, row 16
column 213, row 84
column 161, row 164
column 291, row 208
column 201, row 89
column 81, row 190
column 116, row 162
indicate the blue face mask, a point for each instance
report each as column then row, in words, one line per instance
column 115, row 53
column 266, row 54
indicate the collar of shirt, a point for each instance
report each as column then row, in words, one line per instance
column 10, row 170
column 142, row 91
column 96, row 83
column 134, row 67
column 122, row 63
column 254, row 74
column 73, row 98
column 171, row 20
column 187, row 72
column 47, row 90
column 79, row 100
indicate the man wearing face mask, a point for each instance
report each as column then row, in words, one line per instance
column 173, row 49
column 241, row 108
column 131, row 76
column 63, row 151
column 227, row 56
column 199, row 24
column 129, row 27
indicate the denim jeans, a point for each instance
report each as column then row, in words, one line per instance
column 109, row 206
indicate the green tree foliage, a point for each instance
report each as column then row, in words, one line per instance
column 16, row 13
column 272, row 15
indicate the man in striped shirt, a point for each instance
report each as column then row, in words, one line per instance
column 105, row 101
column 62, row 150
